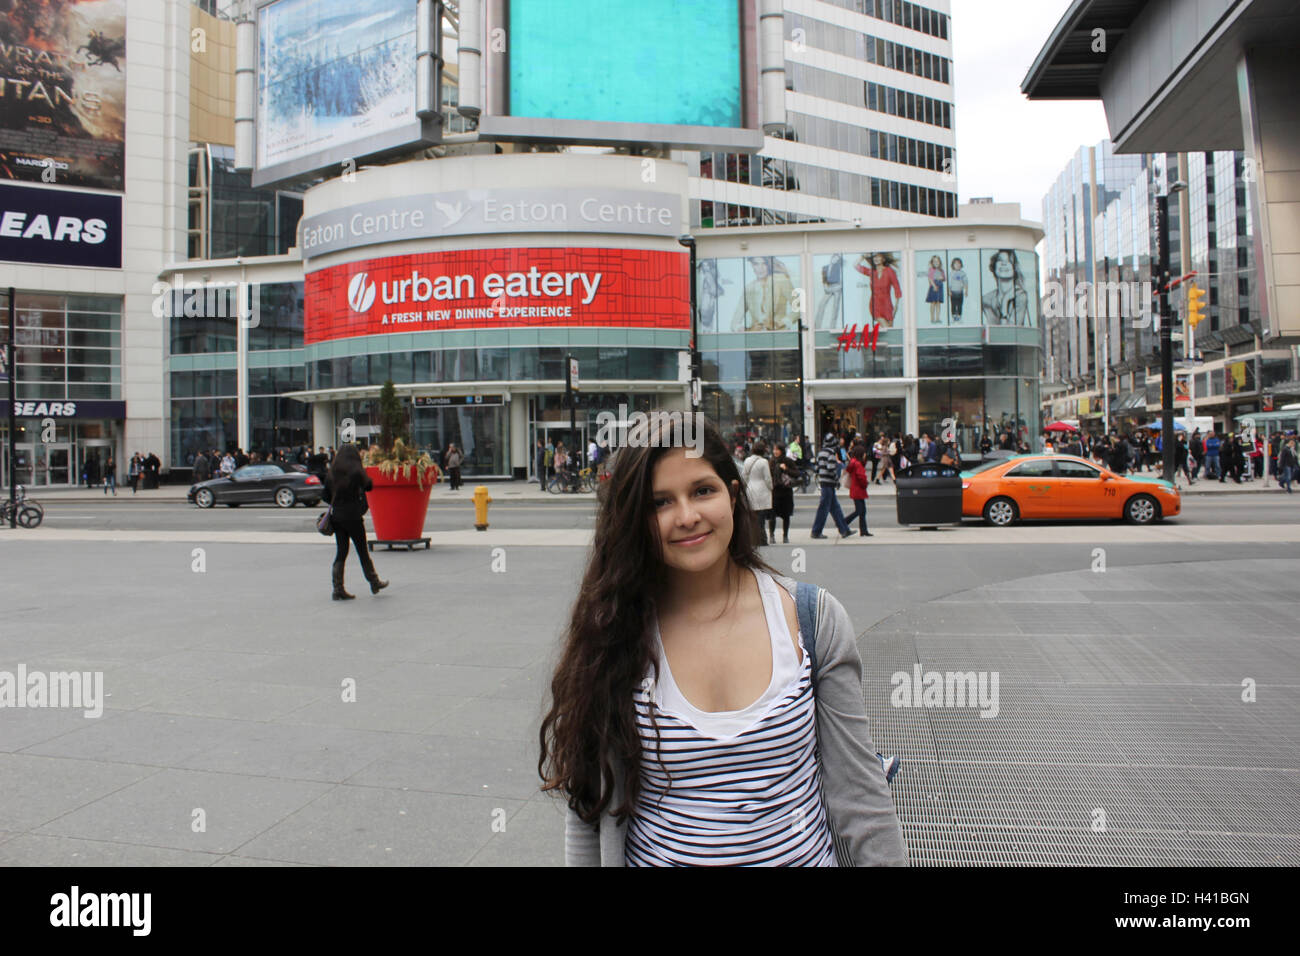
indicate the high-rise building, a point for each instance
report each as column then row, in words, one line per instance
column 1098, row 224
column 869, row 135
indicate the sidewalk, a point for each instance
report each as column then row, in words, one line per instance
column 507, row 490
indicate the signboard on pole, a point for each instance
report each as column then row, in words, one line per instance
column 573, row 374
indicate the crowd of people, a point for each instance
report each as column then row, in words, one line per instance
column 144, row 469
column 1198, row 456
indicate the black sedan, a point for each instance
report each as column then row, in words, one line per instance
column 283, row 485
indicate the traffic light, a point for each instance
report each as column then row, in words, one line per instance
column 1195, row 305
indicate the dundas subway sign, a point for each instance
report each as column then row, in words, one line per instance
column 499, row 288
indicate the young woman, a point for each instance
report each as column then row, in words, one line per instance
column 785, row 478
column 857, row 468
column 346, row 485
column 684, row 727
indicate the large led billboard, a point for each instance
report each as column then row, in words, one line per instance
column 63, row 92
column 674, row 72
column 626, row 61
column 335, row 81
column 499, row 288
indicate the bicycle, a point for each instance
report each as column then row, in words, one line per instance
column 29, row 510
column 569, row 481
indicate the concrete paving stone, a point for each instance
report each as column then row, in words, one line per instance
column 442, row 679
column 22, row 728
column 135, row 648
column 204, row 665
column 128, row 688
column 530, row 683
column 473, row 766
column 32, row 849
column 35, row 790
column 295, row 752
column 495, row 718
column 234, row 860
column 392, row 712
column 534, row 836
column 159, row 810
column 482, row 653
column 136, row 737
column 367, row 826
column 236, row 699
column 316, row 671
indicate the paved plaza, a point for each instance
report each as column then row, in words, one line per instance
column 252, row 721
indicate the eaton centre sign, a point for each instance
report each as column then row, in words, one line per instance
column 480, row 211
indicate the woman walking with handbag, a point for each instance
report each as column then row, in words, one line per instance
column 707, row 710
column 758, row 485
column 857, row 472
column 346, row 484
column 785, row 477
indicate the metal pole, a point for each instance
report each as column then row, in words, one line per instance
column 12, row 372
column 1167, row 440
column 697, row 362
column 568, row 396
column 1185, row 259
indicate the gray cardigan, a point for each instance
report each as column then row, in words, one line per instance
column 857, row 798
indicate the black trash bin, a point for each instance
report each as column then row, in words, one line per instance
column 929, row 494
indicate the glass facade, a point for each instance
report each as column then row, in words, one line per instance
column 67, row 346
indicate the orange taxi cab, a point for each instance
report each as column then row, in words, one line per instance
column 1062, row 486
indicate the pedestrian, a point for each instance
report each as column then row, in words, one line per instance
column 200, row 467
column 1181, row 456
column 828, row 476
column 1197, row 446
column 345, row 489
column 1212, row 444
column 857, row 469
column 152, row 465
column 888, row 457
column 550, row 459
column 539, row 464
column 1288, row 464
column 785, row 476
column 453, row 458
column 133, row 471
column 110, row 474
column 757, row 475
column 688, row 724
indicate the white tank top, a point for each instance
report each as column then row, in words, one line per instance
column 742, row 787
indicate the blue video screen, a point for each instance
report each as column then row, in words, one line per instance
column 629, row 61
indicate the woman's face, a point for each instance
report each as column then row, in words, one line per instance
column 1002, row 267
column 760, row 268
column 878, row 260
column 692, row 511
column 935, row 263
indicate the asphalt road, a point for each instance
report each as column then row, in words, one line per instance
column 1267, row 508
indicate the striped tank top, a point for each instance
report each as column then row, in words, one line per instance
column 742, row 788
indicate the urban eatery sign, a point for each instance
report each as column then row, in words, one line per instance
column 476, row 212
column 499, row 288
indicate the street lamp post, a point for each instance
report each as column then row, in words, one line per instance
column 696, row 363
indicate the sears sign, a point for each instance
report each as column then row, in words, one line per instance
column 60, row 227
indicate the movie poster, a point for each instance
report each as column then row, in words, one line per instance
column 63, row 92
column 332, row 73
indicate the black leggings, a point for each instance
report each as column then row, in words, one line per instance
column 356, row 532
column 771, row 525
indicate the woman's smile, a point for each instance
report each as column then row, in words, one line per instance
column 691, row 542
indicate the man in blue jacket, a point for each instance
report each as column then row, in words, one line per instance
column 1212, row 456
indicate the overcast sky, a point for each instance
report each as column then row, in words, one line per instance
column 1008, row 147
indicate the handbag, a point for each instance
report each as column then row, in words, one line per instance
column 325, row 523
column 947, row 459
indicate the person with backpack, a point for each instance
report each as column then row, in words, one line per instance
column 706, row 709
column 828, row 479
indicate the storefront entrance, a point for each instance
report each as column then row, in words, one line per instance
column 40, row 465
column 871, row 418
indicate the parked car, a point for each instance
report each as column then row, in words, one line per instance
column 1062, row 486
column 269, row 483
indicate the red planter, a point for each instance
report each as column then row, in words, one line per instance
column 398, row 505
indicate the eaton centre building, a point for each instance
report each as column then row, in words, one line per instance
column 471, row 247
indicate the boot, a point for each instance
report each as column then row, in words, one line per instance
column 372, row 575
column 339, row 593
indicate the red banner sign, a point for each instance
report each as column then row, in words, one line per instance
column 499, row 288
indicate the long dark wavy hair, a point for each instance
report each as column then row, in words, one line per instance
column 346, row 470
column 609, row 644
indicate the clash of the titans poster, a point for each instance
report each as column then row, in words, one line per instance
column 63, row 91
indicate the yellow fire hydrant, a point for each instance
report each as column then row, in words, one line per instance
column 481, row 501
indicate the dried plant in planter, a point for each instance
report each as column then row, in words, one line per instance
column 401, row 460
